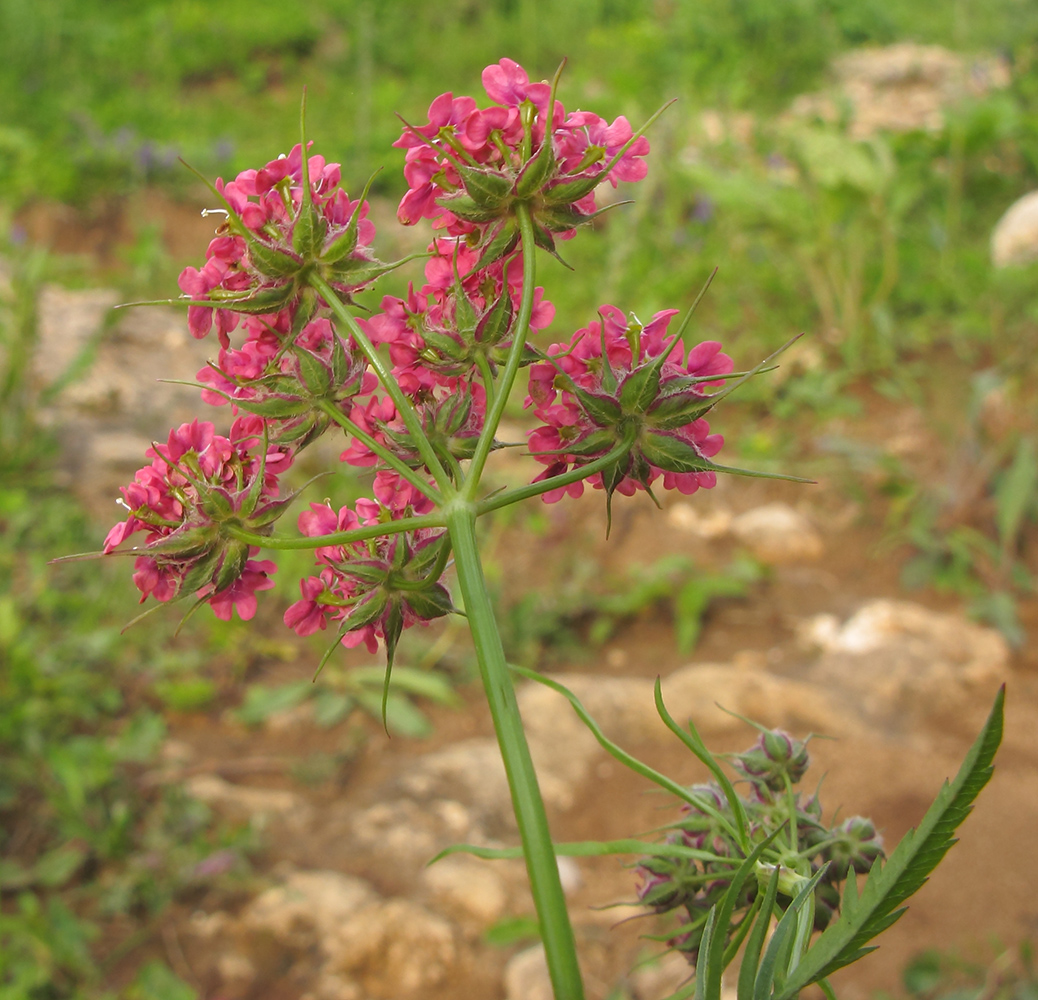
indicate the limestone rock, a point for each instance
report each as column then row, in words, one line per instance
column 1015, row 237
column 255, row 803
column 901, row 88
column 526, row 976
column 394, row 948
column 895, row 658
column 467, row 887
column 308, row 908
column 778, row 534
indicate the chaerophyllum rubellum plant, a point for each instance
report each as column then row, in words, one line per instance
column 418, row 391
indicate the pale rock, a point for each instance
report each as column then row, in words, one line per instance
column 308, row 908
column 69, row 322
column 708, row 525
column 412, row 832
column 394, row 948
column 895, row 658
column 526, row 976
column 778, row 534
column 473, row 766
column 570, row 875
column 661, row 978
column 707, row 693
column 469, row 888
column 1014, row 239
column 256, row 803
column 236, row 969
column 331, row 986
column 901, row 88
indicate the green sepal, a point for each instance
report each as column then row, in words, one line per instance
column 434, row 602
column 603, row 410
column 271, row 261
column 595, row 443
column 200, row 573
column 345, row 243
column 356, row 271
column 310, row 229
column 678, row 409
column 561, row 218
column 184, row 543
column 543, row 239
column 367, row 572
column 215, row 502
column 488, row 189
column 274, row 408
column 503, row 243
column 368, row 611
column 314, row 373
column 444, row 344
column 495, row 324
column 266, row 300
column 391, row 629
column 537, row 171
column 341, row 361
column 672, row 454
column 236, row 555
column 640, row 389
column 567, row 192
column 468, row 209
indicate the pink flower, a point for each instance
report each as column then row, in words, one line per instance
column 597, row 393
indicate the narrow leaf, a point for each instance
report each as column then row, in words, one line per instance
column 920, row 850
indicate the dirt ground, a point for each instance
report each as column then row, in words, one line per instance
column 979, row 902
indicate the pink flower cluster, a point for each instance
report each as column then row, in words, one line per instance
column 616, row 375
column 274, row 228
column 358, row 587
column 468, row 165
column 195, row 483
column 617, row 388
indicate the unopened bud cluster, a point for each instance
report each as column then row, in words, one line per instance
column 693, row 880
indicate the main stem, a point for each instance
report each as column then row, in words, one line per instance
column 541, row 866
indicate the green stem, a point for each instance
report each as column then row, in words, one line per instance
column 556, row 482
column 541, row 866
column 395, row 463
column 403, row 405
column 336, row 537
column 515, row 354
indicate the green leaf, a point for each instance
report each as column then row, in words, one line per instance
column 156, row 982
column 695, row 743
column 755, row 942
column 261, row 702
column 512, row 930
column 683, row 793
column 887, row 887
column 1016, row 493
column 712, row 962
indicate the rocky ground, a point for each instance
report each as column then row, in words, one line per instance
column 346, row 907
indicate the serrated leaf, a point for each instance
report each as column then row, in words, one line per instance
column 890, row 885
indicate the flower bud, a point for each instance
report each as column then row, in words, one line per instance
column 857, row 845
column 775, row 757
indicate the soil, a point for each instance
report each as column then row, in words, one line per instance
column 980, row 900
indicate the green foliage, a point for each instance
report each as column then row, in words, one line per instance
column 341, row 692
column 863, row 916
column 934, row 975
column 594, row 606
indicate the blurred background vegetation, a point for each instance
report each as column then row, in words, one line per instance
column 876, row 244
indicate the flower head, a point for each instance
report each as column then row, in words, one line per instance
column 621, row 384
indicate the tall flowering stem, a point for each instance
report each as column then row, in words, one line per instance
column 419, row 389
